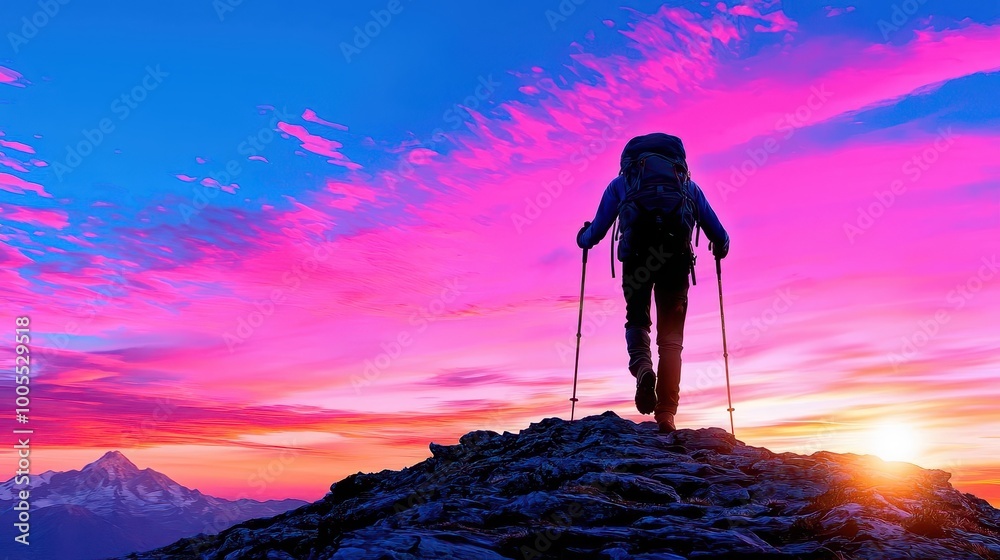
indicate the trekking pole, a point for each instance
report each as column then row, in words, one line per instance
column 725, row 348
column 579, row 327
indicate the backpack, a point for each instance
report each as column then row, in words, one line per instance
column 658, row 209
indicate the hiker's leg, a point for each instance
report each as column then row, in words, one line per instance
column 638, row 286
column 671, row 310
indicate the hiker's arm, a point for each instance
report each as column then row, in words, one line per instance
column 606, row 214
column 710, row 222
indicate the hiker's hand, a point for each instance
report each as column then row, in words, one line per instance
column 579, row 236
column 720, row 251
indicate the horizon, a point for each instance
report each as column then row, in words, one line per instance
column 278, row 247
column 114, row 453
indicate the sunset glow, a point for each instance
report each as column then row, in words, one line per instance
column 285, row 264
column 896, row 442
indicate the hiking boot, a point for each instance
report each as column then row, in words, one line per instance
column 645, row 391
column 666, row 424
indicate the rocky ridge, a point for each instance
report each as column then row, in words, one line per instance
column 605, row 487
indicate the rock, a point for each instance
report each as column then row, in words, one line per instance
column 605, row 487
column 478, row 438
column 447, row 452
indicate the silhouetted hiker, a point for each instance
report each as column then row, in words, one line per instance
column 659, row 207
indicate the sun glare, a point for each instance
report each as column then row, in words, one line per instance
column 895, row 442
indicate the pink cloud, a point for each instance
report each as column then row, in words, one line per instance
column 17, row 146
column 742, row 10
column 10, row 77
column 311, row 116
column 419, row 156
column 777, row 19
column 318, row 145
column 76, row 240
column 210, row 182
column 16, row 185
column 12, row 163
column 311, row 142
column 349, row 195
column 56, row 219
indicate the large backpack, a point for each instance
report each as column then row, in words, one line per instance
column 658, row 209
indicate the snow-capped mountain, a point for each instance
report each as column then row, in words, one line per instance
column 111, row 507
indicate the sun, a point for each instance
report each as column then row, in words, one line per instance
column 895, row 442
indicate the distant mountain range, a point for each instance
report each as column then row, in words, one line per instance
column 111, row 507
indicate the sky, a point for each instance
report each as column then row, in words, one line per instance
column 263, row 247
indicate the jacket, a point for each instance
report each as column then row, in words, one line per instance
column 607, row 212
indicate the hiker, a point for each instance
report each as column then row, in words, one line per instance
column 659, row 208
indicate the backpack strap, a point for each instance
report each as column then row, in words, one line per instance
column 640, row 162
column 614, row 227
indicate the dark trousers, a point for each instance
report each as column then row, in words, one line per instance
column 656, row 273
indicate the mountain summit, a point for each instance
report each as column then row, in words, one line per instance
column 115, row 464
column 605, row 487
